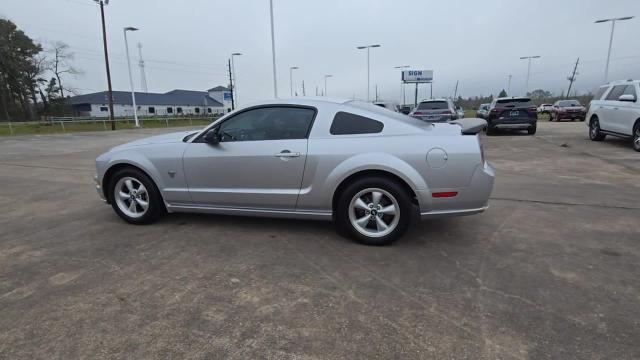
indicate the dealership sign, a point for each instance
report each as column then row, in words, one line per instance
column 417, row 76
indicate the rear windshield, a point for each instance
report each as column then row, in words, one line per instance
column 519, row 102
column 567, row 103
column 433, row 105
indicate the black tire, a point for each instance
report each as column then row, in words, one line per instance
column 636, row 136
column 344, row 210
column 550, row 117
column 532, row 130
column 594, row 130
column 153, row 198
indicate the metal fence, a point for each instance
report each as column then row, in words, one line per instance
column 74, row 124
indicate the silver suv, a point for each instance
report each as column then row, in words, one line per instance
column 615, row 111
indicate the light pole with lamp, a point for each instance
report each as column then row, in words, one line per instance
column 133, row 93
column 291, row 77
column 529, row 68
column 613, row 24
column 325, row 83
column 368, row 47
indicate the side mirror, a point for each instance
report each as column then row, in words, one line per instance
column 212, row 136
column 627, row 97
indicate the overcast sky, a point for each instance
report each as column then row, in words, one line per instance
column 186, row 44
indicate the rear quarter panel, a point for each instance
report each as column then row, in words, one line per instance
column 332, row 159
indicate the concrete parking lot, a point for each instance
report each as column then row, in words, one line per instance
column 550, row 271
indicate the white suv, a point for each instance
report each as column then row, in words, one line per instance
column 615, row 110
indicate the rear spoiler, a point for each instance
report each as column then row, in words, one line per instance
column 470, row 126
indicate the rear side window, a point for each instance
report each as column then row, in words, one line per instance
column 519, row 102
column 433, row 105
column 615, row 93
column 630, row 90
column 345, row 123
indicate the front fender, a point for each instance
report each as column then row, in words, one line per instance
column 133, row 158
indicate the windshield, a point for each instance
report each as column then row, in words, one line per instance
column 433, row 105
column 567, row 103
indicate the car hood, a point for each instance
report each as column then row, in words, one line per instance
column 158, row 139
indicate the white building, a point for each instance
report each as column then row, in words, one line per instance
column 173, row 103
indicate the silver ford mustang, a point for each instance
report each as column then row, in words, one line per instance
column 370, row 169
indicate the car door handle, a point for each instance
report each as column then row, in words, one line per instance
column 287, row 154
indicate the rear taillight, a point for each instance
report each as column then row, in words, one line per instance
column 447, row 112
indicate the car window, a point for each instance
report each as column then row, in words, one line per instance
column 615, row 93
column 514, row 102
column 600, row 92
column 630, row 90
column 345, row 123
column 268, row 123
column 433, row 105
column 567, row 103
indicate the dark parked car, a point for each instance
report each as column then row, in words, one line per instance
column 518, row 113
column 436, row 110
column 567, row 109
column 405, row 109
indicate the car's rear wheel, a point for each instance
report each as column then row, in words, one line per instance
column 532, row 130
column 595, row 134
column 374, row 211
column 550, row 116
column 134, row 196
column 636, row 136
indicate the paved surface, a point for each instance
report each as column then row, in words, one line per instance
column 551, row 270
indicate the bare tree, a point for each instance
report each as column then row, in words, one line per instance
column 60, row 63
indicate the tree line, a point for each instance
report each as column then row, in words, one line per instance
column 538, row 96
column 32, row 77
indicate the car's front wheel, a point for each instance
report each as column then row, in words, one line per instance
column 594, row 130
column 374, row 211
column 532, row 129
column 134, row 196
column 636, row 136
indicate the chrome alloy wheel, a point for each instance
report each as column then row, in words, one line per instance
column 636, row 139
column 374, row 212
column 131, row 197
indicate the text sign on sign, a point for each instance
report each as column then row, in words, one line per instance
column 417, row 76
column 226, row 96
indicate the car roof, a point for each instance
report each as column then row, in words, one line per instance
column 620, row 82
column 301, row 100
column 514, row 98
column 430, row 100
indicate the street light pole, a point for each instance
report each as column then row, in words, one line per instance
column 291, row 78
column 613, row 24
column 325, row 83
column 133, row 93
column 368, row 47
column 529, row 68
column 106, row 62
column 235, row 80
column 404, row 98
column 273, row 52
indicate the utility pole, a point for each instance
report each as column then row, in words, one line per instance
column 415, row 100
column 143, row 76
column 233, row 104
column 316, row 90
column 572, row 78
column 376, row 92
column 304, row 93
column 106, row 62
column 455, row 92
column 273, row 52
column 509, row 85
